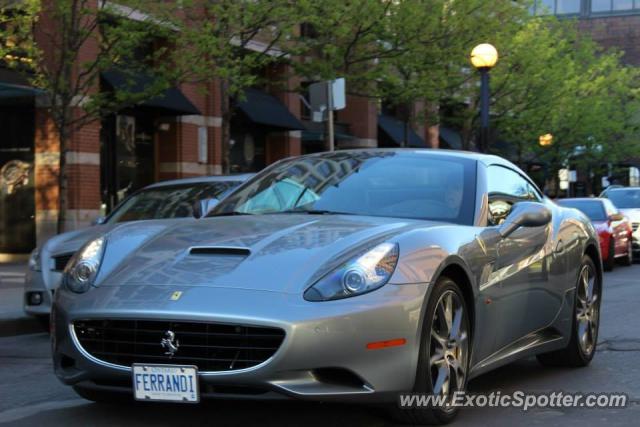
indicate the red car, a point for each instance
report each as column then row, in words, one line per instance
column 614, row 229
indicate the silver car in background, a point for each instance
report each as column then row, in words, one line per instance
column 347, row 276
column 174, row 199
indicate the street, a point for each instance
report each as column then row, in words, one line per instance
column 31, row 395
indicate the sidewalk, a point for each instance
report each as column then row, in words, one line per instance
column 13, row 319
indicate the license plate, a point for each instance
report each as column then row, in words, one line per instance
column 166, row 383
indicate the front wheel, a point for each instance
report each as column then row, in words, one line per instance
column 586, row 321
column 444, row 355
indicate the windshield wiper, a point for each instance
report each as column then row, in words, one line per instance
column 232, row 213
column 317, row 212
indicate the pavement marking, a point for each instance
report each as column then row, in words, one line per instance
column 27, row 411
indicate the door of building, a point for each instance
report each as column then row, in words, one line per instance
column 128, row 156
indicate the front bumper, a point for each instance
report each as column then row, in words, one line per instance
column 321, row 337
column 34, row 283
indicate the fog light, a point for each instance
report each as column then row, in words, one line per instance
column 35, row 298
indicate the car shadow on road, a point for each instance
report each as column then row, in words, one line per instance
column 222, row 413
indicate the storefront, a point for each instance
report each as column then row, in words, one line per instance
column 394, row 132
column 129, row 142
column 17, row 190
column 258, row 116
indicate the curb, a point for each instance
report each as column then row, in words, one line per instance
column 22, row 326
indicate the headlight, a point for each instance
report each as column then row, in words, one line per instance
column 359, row 275
column 34, row 260
column 81, row 271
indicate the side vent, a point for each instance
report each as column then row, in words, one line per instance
column 219, row 250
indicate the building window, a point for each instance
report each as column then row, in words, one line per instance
column 557, row 7
column 614, row 6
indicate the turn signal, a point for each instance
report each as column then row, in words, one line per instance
column 384, row 344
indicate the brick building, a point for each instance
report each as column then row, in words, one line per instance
column 177, row 137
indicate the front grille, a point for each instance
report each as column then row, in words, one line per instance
column 635, row 225
column 209, row 346
column 60, row 261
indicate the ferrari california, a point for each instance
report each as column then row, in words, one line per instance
column 348, row 276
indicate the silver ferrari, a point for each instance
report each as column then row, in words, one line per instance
column 347, row 276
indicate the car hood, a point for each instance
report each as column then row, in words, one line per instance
column 281, row 253
column 73, row 240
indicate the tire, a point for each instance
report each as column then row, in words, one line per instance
column 576, row 354
column 454, row 350
column 627, row 260
column 101, row 396
column 609, row 263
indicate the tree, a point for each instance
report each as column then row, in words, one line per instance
column 436, row 37
column 236, row 41
column 553, row 79
column 402, row 51
column 63, row 46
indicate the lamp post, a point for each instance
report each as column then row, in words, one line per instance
column 484, row 57
column 545, row 140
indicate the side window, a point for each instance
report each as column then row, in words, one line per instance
column 506, row 188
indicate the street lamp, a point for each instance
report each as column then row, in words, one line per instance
column 484, row 57
column 545, row 140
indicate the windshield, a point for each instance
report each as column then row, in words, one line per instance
column 416, row 185
column 624, row 198
column 591, row 208
column 172, row 201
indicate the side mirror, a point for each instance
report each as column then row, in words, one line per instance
column 203, row 207
column 616, row 217
column 99, row 220
column 525, row 214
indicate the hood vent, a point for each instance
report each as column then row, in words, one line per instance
column 219, row 250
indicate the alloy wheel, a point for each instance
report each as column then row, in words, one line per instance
column 448, row 345
column 587, row 310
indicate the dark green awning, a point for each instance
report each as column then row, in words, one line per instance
column 450, row 138
column 14, row 84
column 265, row 109
column 17, row 91
column 395, row 130
column 172, row 101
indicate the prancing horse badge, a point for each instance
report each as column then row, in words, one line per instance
column 176, row 296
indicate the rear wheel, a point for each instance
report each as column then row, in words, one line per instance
column 586, row 320
column 609, row 263
column 444, row 355
column 627, row 260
